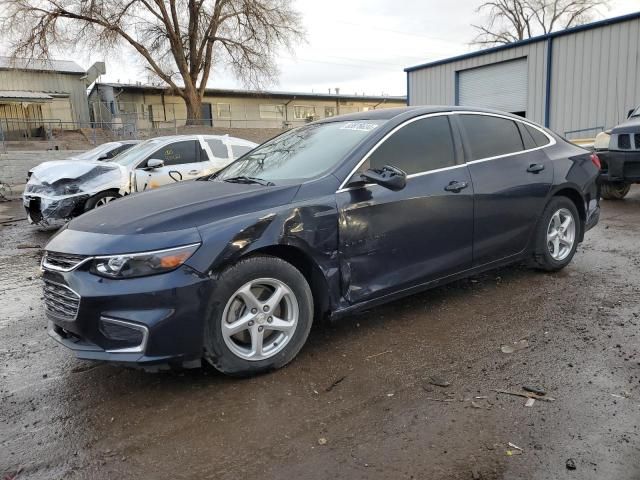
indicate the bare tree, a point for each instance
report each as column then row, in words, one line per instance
column 513, row 20
column 180, row 41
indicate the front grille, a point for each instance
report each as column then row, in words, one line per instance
column 624, row 141
column 60, row 301
column 62, row 261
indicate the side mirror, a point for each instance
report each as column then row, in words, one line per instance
column 388, row 176
column 630, row 112
column 103, row 157
column 154, row 163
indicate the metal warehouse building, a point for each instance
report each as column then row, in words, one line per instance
column 576, row 81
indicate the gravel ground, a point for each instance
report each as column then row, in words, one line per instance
column 365, row 398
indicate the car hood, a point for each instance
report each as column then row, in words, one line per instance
column 73, row 177
column 181, row 206
column 632, row 125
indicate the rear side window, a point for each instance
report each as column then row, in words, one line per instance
column 218, row 148
column 420, row 146
column 177, row 153
column 491, row 136
column 239, row 150
column 539, row 138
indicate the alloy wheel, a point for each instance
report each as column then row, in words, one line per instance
column 104, row 200
column 260, row 319
column 561, row 234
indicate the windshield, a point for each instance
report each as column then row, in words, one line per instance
column 301, row 154
column 137, row 152
column 94, row 153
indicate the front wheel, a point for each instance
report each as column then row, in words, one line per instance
column 260, row 316
column 614, row 191
column 557, row 235
column 100, row 200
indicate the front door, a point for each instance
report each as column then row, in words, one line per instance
column 181, row 162
column 511, row 179
column 390, row 240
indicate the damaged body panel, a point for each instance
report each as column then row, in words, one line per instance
column 61, row 190
column 329, row 200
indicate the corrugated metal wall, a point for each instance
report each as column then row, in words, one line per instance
column 50, row 82
column 437, row 85
column 594, row 80
column 595, row 77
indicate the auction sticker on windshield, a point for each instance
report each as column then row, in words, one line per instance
column 359, row 126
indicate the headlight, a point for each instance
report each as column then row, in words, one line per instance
column 129, row 265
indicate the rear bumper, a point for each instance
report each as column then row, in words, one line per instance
column 593, row 217
column 620, row 166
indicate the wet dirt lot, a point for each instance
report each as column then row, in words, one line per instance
column 358, row 402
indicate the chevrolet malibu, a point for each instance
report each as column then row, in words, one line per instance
column 324, row 220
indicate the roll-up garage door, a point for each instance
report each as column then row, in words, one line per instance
column 501, row 86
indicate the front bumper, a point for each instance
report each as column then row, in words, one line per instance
column 618, row 166
column 42, row 210
column 147, row 321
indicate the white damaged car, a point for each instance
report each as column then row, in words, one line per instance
column 60, row 190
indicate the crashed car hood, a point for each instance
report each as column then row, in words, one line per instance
column 632, row 125
column 51, row 178
column 181, row 206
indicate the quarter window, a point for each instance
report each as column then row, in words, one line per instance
column 420, row 146
column 491, row 136
column 539, row 138
column 218, row 148
column 177, row 153
column 239, row 150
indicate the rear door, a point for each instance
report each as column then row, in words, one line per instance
column 511, row 178
column 390, row 240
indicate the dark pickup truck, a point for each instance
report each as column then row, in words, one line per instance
column 619, row 152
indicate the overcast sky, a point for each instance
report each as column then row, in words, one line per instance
column 359, row 45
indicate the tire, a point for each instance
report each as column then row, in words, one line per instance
column 552, row 256
column 100, row 199
column 614, row 191
column 256, row 279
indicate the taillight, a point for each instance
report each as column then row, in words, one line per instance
column 596, row 160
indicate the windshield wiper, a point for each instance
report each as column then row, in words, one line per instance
column 243, row 179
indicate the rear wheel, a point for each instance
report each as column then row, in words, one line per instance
column 100, row 200
column 260, row 316
column 557, row 235
column 614, row 191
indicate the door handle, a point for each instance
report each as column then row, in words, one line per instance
column 194, row 172
column 456, row 187
column 535, row 168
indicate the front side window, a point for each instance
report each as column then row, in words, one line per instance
column 177, row 153
column 302, row 112
column 273, row 112
column 491, row 136
column 302, row 153
column 420, row 146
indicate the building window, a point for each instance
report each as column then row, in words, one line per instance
column 302, row 112
column 223, row 110
column 329, row 112
column 272, row 112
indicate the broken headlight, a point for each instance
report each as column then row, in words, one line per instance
column 130, row 265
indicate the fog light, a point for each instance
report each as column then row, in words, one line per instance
column 129, row 336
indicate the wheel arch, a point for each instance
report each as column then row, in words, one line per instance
column 573, row 194
column 309, row 269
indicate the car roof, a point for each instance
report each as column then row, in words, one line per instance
column 223, row 138
column 400, row 113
